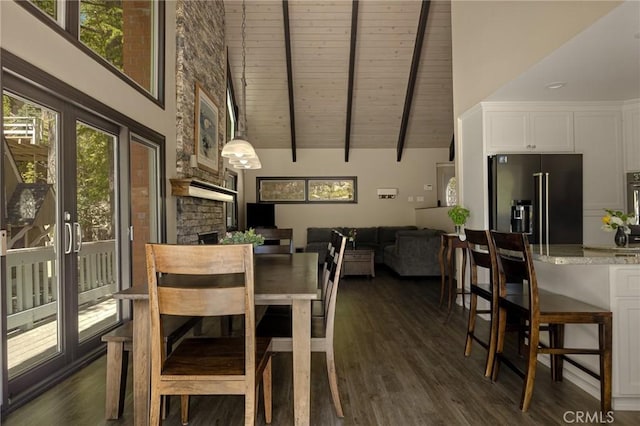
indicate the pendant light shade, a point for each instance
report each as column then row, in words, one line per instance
column 239, row 150
column 246, row 163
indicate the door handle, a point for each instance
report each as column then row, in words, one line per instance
column 68, row 240
column 3, row 242
column 78, row 235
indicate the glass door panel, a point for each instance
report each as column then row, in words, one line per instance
column 32, row 280
column 144, row 204
column 94, row 232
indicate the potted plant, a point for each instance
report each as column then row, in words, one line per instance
column 459, row 215
column 245, row 237
column 615, row 220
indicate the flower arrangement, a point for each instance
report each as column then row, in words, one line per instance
column 352, row 234
column 458, row 214
column 245, row 237
column 615, row 219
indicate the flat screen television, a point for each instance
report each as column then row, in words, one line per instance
column 261, row 215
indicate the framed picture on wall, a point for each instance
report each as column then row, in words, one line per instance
column 206, row 131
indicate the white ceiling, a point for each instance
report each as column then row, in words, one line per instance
column 320, row 34
column 602, row 63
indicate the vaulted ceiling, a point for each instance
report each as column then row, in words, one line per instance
column 343, row 74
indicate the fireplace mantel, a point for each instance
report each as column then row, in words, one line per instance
column 190, row 187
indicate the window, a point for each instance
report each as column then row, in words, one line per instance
column 124, row 35
column 307, row 189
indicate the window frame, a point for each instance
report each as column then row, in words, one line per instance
column 69, row 29
column 306, row 198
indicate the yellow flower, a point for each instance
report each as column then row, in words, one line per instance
column 606, row 219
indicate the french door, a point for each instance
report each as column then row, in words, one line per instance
column 60, row 178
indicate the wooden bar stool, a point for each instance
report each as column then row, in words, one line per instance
column 546, row 311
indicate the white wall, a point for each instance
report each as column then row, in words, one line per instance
column 495, row 41
column 374, row 168
column 27, row 37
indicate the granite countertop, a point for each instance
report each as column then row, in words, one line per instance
column 577, row 254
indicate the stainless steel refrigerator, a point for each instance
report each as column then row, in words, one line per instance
column 539, row 194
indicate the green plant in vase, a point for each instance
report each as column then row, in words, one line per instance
column 459, row 215
column 245, row 237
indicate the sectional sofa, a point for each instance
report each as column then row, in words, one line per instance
column 407, row 250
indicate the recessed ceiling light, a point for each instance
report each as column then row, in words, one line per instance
column 556, row 85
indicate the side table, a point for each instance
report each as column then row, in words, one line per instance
column 358, row 262
column 448, row 244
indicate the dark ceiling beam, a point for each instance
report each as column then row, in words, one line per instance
column 352, row 62
column 415, row 63
column 287, row 46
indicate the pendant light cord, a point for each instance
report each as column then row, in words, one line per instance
column 243, row 121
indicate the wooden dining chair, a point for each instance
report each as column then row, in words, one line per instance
column 482, row 255
column 276, row 241
column 206, row 365
column 279, row 327
column 545, row 310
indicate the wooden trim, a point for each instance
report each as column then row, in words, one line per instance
column 201, row 189
column 352, row 60
column 415, row 63
column 287, row 45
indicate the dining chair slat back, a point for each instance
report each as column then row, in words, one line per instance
column 206, row 365
column 278, row 326
column 277, row 241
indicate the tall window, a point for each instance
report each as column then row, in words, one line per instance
column 123, row 33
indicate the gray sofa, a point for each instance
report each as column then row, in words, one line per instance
column 415, row 253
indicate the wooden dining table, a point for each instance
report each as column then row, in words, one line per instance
column 278, row 280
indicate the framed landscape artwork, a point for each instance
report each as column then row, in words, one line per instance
column 206, row 130
column 307, row 189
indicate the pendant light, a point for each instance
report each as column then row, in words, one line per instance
column 239, row 148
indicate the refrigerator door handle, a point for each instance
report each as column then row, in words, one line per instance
column 546, row 207
column 539, row 177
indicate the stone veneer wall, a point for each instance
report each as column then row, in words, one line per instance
column 201, row 57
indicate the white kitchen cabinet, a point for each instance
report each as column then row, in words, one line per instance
column 631, row 121
column 529, row 131
column 598, row 137
column 625, row 299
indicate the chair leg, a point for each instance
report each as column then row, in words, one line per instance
column 267, row 391
column 605, row 337
column 530, row 372
column 471, row 324
column 502, row 326
column 250, row 408
column 184, row 409
column 154, row 407
column 556, row 340
column 493, row 340
column 333, row 381
column 116, row 382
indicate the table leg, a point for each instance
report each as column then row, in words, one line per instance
column 452, row 283
column 141, row 360
column 443, row 270
column 301, row 311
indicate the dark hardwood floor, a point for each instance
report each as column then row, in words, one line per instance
column 398, row 364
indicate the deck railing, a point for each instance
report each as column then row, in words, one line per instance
column 32, row 293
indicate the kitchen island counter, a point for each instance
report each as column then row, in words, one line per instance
column 607, row 277
column 578, row 254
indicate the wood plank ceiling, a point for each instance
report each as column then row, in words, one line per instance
column 361, row 74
